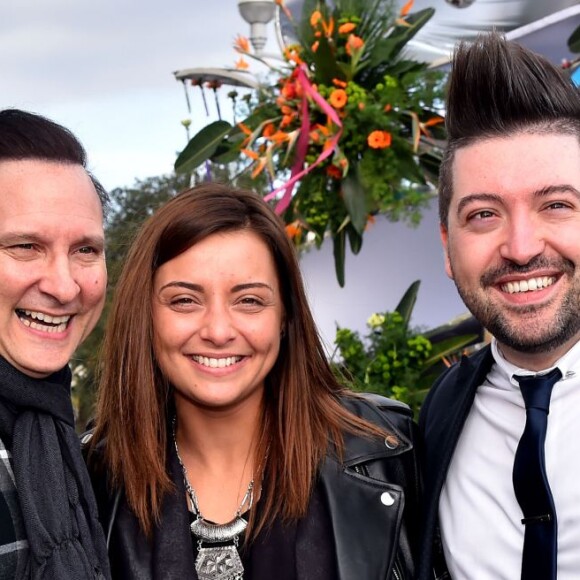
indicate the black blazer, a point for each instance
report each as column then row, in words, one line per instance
column 442, row 418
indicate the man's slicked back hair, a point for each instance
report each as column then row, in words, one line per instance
column 25, row 135
column 498, row 88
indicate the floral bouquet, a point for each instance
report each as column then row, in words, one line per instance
column 348, row 127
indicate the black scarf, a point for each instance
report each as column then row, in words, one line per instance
column 66, row 541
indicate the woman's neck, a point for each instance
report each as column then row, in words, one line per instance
column 218, row 452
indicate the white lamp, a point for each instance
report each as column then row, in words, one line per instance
column 257, row 13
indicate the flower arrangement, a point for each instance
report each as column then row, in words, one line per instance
column 348, row 128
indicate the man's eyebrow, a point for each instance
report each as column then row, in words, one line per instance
column 495, row 198
column 19, row 237
column 468, row 199
column 558, row 188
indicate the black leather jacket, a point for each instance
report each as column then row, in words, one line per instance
column 372, row 496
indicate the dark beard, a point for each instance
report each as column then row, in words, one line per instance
column 530, row 340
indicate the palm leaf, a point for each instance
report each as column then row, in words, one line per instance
column 202, row 146
column 407, row 303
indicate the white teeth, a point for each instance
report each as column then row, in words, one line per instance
column 528, row 285
column 47, row 317
column 43, row 322
column 43, row 327
column 215, row 363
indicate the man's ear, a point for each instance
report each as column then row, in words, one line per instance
column 445, row 241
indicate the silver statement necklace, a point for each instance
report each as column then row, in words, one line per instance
column 213, row 562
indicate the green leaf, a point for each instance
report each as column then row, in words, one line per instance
column 388, row 48
column 430, row 164
column 448, row 346
column 574, row 41
column 355, row 239
column 407, row 303
column 339, row 250
column 325, row 63
column 355, row 201
column 202, row 146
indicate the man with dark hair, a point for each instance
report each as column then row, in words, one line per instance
column 501, row 479
column 52, row 288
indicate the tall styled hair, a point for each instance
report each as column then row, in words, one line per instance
column 25, row 135
column 498, row 88
column 302, row 411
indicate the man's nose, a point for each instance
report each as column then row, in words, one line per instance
column 58, row 280
column 524, row 240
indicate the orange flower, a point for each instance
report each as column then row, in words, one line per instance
column 241, row 43
column 334, row 172
column 279, row 137
column 361, row 106
column 287, row 119
column 315, row 46
column 293, row 229
column 241, row 64
column 338, row 98
column 328, row 27
column 289, row 90
column 269, row 130
column 379, row 139
column 371, row 220
column 346, row 27
column 251, row 154
column 339, row 83
column 315, row 18
column 244, row 129
column 285, row 9
column 315, row 136
column 387, row 107
column 292, row 54
column 286, row 110
column 354, row 44
column 407, row 8
column 433, row 121
column 259, row 167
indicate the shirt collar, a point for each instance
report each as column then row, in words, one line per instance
column 569, row 364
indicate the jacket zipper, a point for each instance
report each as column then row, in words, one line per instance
column 397, row 574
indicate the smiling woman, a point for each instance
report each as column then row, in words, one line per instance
column 216, row 396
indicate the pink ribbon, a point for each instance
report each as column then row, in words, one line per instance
column 298, row 170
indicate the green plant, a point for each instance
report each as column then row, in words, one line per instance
column 394, row 359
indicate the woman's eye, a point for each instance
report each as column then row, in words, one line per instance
column 182, row 300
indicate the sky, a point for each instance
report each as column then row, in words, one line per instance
column 105, row 70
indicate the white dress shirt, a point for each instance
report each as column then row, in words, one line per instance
column 480, row 517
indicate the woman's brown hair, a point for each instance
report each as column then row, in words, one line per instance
column 302, row 409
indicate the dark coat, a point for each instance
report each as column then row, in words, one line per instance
column 442, row 418
column 373, row 541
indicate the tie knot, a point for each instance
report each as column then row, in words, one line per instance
column 537, row 389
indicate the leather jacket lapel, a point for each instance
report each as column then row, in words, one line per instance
column 365, row 512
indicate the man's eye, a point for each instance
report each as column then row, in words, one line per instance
column 481, row 215
column 87, row 250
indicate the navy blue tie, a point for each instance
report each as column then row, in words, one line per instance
column 531, row 482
